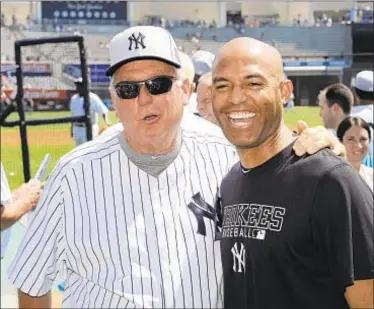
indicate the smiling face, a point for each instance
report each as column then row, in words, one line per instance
column 149, row 119
column 356, row 142
column 249, row 92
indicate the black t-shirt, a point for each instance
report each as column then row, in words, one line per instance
column 295, row 232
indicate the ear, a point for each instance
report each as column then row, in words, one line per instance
column 192, row 88
column 186, row 91
column 286, row 89
column 114, row 98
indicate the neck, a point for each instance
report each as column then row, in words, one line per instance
column 356, row 166
column 155, row 146
column 339, row 120
column 252, row 157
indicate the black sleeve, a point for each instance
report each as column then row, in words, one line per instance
column 343, row 214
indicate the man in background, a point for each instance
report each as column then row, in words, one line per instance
column 203, row 62
column 335, row 104
column 189, row 71
column 363, row 88
column 204, row 98
column 79, row 132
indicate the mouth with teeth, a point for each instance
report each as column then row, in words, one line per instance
column 358, row 152
column 242, row 119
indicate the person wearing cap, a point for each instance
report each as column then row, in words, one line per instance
column 203, row 62
column 13, row 205
column 363, row 88
column 128, row 217
column 97, row 106
column 121, row 214
column 189, row 70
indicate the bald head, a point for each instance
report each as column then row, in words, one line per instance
column 251, row 51
column 249, row 91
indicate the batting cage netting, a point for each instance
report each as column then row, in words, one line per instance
column 44, row 83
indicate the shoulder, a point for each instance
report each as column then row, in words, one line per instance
column 94, row 97
column 338, row 180
column 118, row 127
column 232, row 175
column 317, row 164
column 367, row 171
column 74, row 97
column 203, row 131
column 90, row 151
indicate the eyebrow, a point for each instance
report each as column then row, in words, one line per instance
column 223, row 79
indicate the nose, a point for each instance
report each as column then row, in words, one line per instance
column 237, row 96
column 144, row 96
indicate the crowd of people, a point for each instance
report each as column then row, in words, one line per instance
column 201, row 196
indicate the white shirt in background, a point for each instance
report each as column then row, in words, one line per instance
column 97, row 106
column 364, row 111
column 367, row 174
column 5, row 196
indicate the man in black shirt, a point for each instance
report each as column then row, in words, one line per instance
column 296, row 232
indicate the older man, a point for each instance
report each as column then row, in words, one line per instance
column 204, row 98
column 121, row 214
column 296, row 232
column 128, row 215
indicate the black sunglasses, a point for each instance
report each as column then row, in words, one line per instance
column 155, row 86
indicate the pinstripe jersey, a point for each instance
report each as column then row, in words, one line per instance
column 128, row 239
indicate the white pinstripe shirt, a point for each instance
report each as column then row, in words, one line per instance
column 127, row 239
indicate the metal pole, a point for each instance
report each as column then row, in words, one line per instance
column 21, row 113
column 86, row 98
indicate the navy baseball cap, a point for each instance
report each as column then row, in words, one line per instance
column 8, row 68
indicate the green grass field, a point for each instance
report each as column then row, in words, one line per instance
column 12, row 159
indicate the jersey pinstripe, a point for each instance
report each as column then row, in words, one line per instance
column 125, row 238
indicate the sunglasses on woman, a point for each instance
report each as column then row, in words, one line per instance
column 155, row 86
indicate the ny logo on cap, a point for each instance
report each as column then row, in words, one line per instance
column 136, row 41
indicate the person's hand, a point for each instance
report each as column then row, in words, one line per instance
column 314, row 139
column 27, row 195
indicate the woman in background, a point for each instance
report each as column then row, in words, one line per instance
column 355, row 134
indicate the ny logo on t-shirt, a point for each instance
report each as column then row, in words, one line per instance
column 238, row 257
